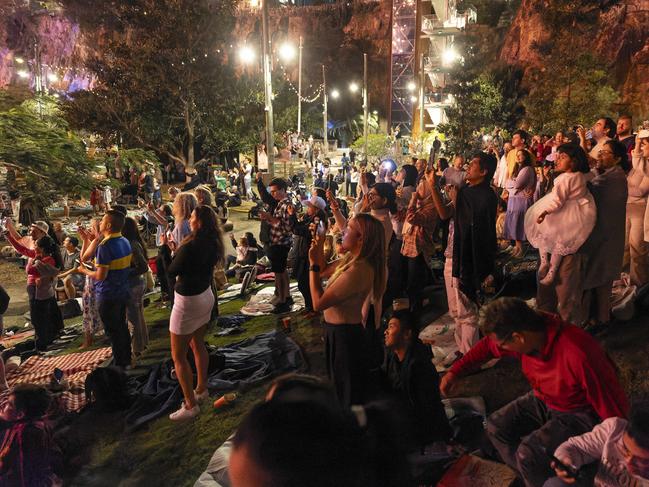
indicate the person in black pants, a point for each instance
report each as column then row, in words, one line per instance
column 305, row 229
column 113, row 269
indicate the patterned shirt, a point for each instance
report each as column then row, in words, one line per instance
column 417, row 235
column 281, row 233
column 114, row 252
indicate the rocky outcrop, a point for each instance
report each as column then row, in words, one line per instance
column 619, row 35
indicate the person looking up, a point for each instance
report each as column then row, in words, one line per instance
column 90, row 238
column 636, row 250
column 472, row 245
column 72, row 281
column 574, row 384
column 602, row 131
column 137, row 284
column 455, row 173
column 281, row 239
column 520, row 188
column 111, row 276
column 355, row 283
column 43, row 265
column 411, row 376
column 624, row 132
column 191, row 270
column 520, row 139
column 560, row 223
column 604, row 248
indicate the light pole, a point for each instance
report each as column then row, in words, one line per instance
column 299, row 89
column 268, row 88
column 366, row 106
column 422, row 81
column 324, row 111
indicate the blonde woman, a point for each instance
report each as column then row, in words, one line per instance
column 357, row 280
column 184, row 204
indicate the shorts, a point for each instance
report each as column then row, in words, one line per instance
column 278, row 255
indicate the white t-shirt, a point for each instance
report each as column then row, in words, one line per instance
column 603, row 444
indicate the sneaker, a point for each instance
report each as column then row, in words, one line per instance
column 183, row 414
column 202, row 396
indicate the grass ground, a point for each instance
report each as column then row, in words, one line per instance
column 171, row 453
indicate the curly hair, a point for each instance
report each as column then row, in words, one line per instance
column 505, row 316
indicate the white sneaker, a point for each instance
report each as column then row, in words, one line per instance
column 202, row 396
column 183, row 414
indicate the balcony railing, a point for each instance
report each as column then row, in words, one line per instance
column 433, row 25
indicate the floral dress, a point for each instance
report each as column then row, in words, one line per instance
column 92, row 323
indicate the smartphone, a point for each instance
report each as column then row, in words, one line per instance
column 568, row 469
column 58, row 375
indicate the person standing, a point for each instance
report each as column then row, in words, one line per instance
column 624, row 132
column 519, row 141
column 636, row 252
column 604, row 248
column 471, row 249
column 137, row 284
column 281, row 238
column 520, row 188
column 455, row 174
column 43, row 264
column 113, row 268
column 91, row 320
column 347, row 169
column 192, row 270
column 356, row 282
column 353, row 181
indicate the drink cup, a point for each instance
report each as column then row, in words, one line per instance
column 225, row 400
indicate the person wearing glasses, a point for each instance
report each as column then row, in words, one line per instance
column 574, row 384
column 617, row 447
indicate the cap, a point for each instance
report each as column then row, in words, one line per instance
column 316, row 202
column 41, row 225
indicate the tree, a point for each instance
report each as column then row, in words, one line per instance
column 47, row 158
column 378, row 145
column 163, row 77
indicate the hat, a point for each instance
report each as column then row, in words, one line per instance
column 42, row 226
column 643, row 134
column 316, row 202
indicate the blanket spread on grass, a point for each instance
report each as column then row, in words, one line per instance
column 247, row 363
column 75, row 367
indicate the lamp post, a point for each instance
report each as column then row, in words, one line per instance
column 366, row 106
column 299, row 89
column 324, row 112
column 268, row 88
column 422, row 81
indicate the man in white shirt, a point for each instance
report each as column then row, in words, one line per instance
column 620, row 447
column 603, row 131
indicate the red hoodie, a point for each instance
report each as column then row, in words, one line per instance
column 572, row 372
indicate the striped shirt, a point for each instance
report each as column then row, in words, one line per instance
column 114, row 252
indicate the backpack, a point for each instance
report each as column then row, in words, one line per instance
column 106, row 388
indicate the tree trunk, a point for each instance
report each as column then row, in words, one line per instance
column 189, row 125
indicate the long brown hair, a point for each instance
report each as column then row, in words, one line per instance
column 209, row 230
column 373, row 251
column 527, row 161
column 131, row 232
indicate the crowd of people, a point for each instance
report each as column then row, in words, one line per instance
column 361, row 248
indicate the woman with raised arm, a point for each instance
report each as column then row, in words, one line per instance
column 357, row 281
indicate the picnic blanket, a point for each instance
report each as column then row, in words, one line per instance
column 9, row 341
column 75, row 367
column 474, row 471
column 260, row 304
column 246, row 363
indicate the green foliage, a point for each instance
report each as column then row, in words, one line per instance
column 378, row 145
column 163, row 77
column 49, row 160
column 575, row 91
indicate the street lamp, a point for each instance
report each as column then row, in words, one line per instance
column 23, row 74
column 413, row 99
column 353, row 87
column 449, row 56
column 287, row 52
column 335, row 94
column 411, row 86
column 246, row 54
column 19, row 60
column 52, row 77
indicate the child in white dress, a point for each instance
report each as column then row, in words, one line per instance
column 561, row 221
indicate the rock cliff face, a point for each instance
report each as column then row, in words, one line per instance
column 620, row 36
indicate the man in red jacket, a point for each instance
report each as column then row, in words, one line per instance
column 574, row 384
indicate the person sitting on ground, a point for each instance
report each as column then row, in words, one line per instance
column 246, row 256
column 620, row 448
column 574, row 384
column 234, row 196
column 410, row 375
column 28, row 454
column 72, row 281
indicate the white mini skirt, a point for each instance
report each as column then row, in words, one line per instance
column 191, row 312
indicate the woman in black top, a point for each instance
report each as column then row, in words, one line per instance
column 192, row 269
